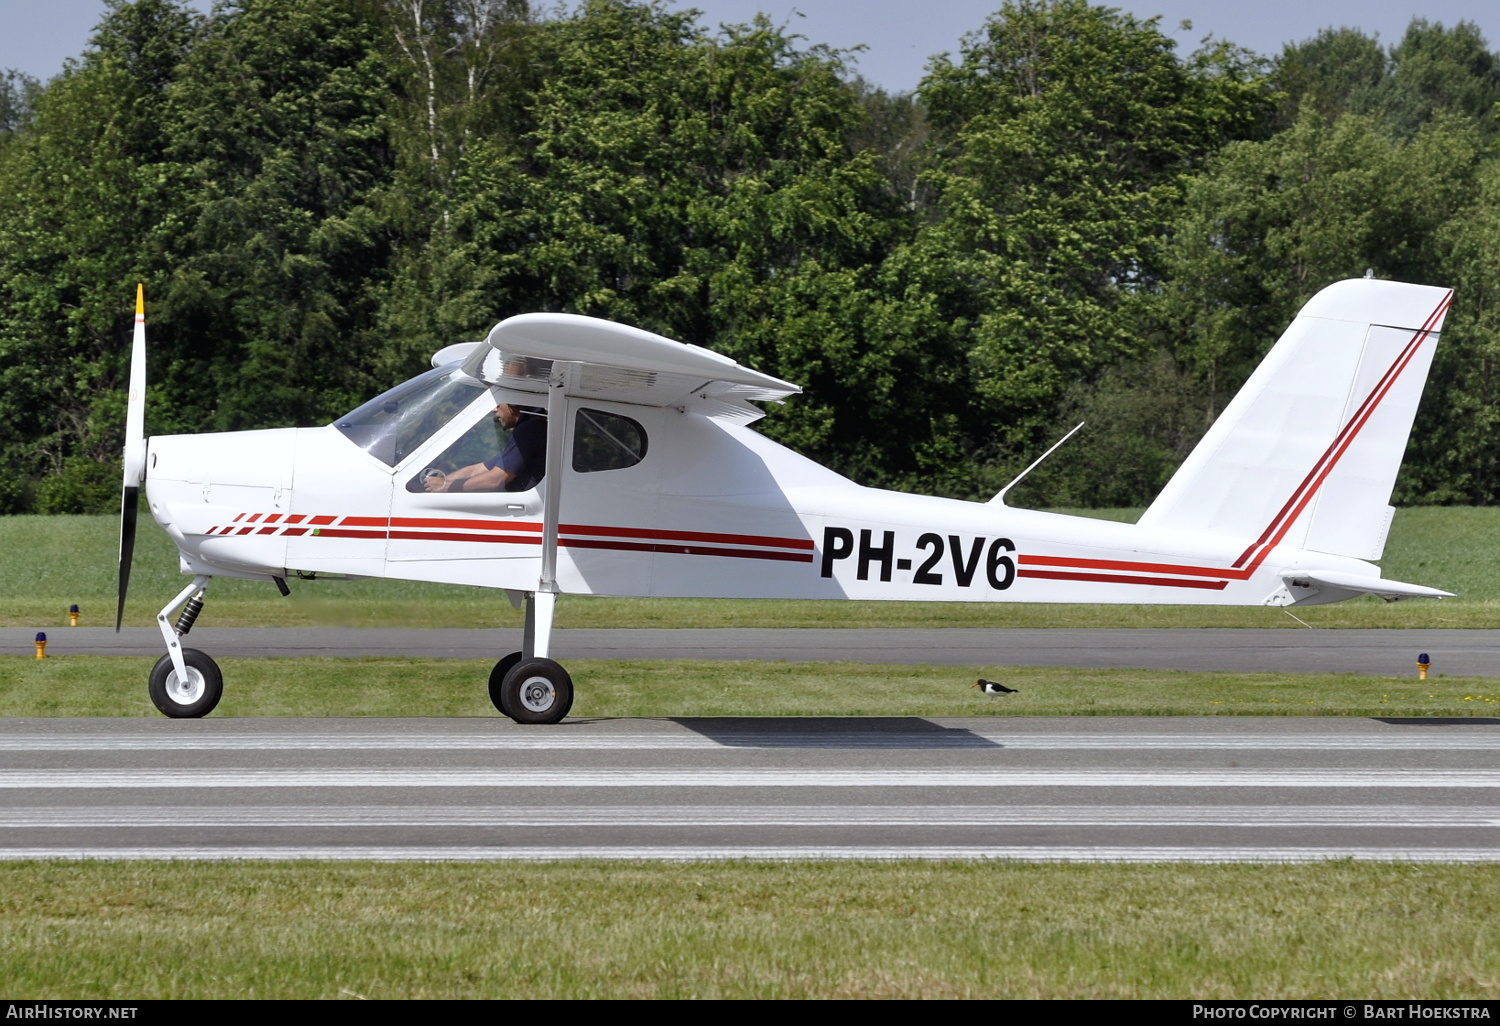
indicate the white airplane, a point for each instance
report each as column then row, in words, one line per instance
column 655, row 485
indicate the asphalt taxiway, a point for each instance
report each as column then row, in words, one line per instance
column 1374, row 652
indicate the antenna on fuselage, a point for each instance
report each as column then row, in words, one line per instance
column 999, row 500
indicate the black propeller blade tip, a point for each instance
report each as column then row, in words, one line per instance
column 129, row 505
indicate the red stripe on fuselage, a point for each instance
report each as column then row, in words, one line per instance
column 518, row 539
column 467, row 525
column 700, row 543
column 684, row 550
column 1120, row 564
column 689, row 536
column 1169, row 582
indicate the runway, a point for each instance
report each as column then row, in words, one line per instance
column 1374, row 652
column 1070, row 789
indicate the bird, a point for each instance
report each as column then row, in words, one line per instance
column 991, row 688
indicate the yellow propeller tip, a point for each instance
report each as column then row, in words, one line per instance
column 140, row 298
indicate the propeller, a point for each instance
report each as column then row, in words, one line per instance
column 135, row 449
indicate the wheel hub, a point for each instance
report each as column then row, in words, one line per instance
column 537, row 694
column 185, row 692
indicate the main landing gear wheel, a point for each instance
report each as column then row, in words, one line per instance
column 497, row 678
column 191, row 698
column 536, row 691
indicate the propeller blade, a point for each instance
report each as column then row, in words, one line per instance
column 135, row 449
column 129, row 500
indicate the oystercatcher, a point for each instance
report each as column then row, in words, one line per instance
column 991, row 688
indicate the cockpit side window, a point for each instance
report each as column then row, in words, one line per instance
column 606, row 441
column 505, row 450
column 395, row 424
column 475, row 445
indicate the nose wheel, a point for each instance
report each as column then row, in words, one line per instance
column 185, row 683
column 188, row 695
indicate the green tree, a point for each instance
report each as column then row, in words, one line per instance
column 19, row 93
column 1454, row 456
column 460, row 64
column 1436, row 71
column 278, row 123
column 1336, row 70
column 80, row 196
column 1276, row 221
column 1433, row 70
column 699, row 186
column 1063, row 139
column 893, row 128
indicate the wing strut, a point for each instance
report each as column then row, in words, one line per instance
column 541, row 605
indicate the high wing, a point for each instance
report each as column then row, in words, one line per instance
column 617, row 363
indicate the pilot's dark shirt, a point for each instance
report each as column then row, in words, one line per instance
column 525, row 455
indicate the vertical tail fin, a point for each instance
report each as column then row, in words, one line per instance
column 1306, row 454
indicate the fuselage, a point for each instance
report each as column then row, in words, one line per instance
column 712, row 509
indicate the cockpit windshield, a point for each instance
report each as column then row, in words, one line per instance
column 394, row 424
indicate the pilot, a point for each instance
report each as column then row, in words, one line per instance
column 516, row 468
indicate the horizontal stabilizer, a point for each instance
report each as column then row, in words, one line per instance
column 1314, row 587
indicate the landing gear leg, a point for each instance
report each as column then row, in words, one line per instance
column 527, row 686
column 535, row 689
column 185, row 683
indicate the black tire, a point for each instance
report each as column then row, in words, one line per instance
column 536, row 691
column 497, row 678
column 204, row 688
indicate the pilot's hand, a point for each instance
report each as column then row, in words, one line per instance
column 434, row 480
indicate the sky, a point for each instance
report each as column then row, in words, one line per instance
column 36, row 36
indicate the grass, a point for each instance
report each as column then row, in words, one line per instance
column 133, row 930
column 49, row 563
column 115, row 686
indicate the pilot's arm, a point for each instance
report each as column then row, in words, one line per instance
column 477, row 477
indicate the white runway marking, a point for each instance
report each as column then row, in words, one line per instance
column 536, row 777
column 320, row 816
